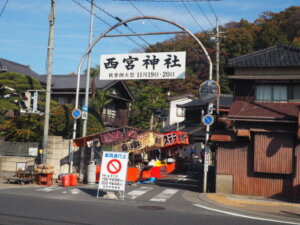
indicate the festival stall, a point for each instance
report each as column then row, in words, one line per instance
column 108, row 140
column 174, row 140
column 138, row 148
column 145, row 150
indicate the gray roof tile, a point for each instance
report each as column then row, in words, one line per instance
column 225, row 101
column 278, row 55
column 64, row 82
column 9, row 66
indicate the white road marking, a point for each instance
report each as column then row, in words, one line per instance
column 182, row 176
column 244, row 216
column 164, row 196
column 182, row 179
column 136, row 193
column 74, row 191
column 49, row 189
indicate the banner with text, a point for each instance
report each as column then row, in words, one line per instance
column 143, row 66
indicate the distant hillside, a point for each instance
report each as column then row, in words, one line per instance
column 241, row 37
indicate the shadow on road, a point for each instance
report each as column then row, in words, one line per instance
column 41, row 219
column 92, row 191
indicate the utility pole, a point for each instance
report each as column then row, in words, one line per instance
column 217, row 61
column 49, row 77
column 216, row 37
column 87, row 90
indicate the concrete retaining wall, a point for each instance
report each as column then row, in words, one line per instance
column 58, row 155
column 8, row 164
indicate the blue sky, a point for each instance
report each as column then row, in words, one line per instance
column 24, row 26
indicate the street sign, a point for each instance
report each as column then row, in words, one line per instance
column 35, row 101
column 210, row 108
column 76, row 113
column 206, row 159
column 114, row 166
column 84, row 115
column 208, row 120
column 206, row 166
column 113, row 171
column 85, row 108
column 143, row 66
column 209, row 91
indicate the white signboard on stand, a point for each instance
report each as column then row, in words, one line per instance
column 143, row 66
column 113, row 171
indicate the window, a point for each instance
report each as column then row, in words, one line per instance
column 271, row 92
column 110, row 111
column 180, row 112
column 296, row 92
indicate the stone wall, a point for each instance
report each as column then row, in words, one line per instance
column 58, row 155
column 8, row 164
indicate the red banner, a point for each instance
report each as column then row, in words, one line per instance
column 176, row 138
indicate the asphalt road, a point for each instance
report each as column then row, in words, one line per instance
column 145, row 205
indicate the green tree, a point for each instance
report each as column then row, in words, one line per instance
column 94, row 73
column 239, row 41
column 98, row 104
column 269, row 35
column 11, row 86
column 61, row 121
column 26, row 128
column 148, row 101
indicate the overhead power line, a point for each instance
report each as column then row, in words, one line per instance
column 196, row 21
column 120, row 20
column 193, row 49
column 106, row 23
column 144, row 15
column 213, row 11
column 204, row 14
column 166, row 0
column 3, row 8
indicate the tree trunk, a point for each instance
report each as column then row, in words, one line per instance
column 151, row 121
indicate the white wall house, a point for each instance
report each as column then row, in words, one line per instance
column 176, row 114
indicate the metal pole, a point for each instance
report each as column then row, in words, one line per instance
column 210, row 105
column 206, row 154
column 49, row 77
column 217, row 61
column 87, row 90
column 89, row 59
column 120, row 24
column 139, row 34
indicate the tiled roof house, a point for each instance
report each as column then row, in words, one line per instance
column 63, row 90
column 263, row 158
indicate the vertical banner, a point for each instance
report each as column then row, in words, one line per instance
column 35, row 101
column 113, row 171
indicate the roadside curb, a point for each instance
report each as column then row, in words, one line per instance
column 229, row 205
